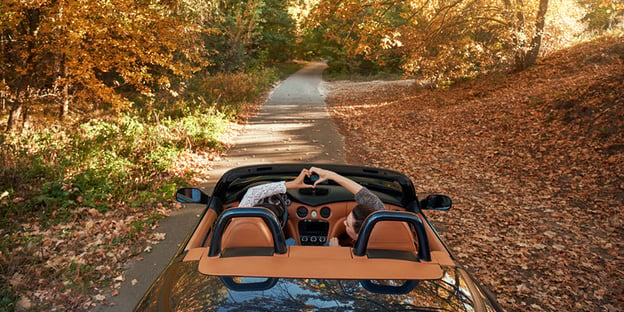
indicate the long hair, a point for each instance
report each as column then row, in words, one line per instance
column 360, row 213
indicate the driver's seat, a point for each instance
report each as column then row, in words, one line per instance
column 247, row 236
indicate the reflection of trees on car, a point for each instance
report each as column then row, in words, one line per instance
column 448, row 293
column 194, row 292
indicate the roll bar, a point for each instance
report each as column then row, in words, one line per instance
column 279, row 242
column 359, row 249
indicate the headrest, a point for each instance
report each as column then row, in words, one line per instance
column 392, row 235
column 247, row 232
column 388, row 234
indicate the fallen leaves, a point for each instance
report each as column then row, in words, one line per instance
column 65, row 266
column 159, row 236
column 534, row 162
column 23, row 304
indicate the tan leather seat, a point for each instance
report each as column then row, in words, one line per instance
column 246, row 232
column 392, row 239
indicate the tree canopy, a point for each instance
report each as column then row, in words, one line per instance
column 103, row 54
column 442, row 39
column 61, row 56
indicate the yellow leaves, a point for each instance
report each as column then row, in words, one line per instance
column 80, row 44
column 164, row 82
column 391, row 41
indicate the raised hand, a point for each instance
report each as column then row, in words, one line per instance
column 298, row 182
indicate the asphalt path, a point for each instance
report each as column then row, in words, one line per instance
column 292, row 126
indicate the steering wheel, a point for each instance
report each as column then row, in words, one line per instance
column 281, row 199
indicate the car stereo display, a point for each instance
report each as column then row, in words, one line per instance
column 313, row 232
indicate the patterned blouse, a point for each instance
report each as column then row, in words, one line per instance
column 254, row 195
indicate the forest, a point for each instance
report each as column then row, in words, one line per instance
column 102, row 101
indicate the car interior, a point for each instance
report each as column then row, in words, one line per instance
column 254, row 240
column 241, row 256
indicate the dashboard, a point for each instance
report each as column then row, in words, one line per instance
column 314, row 225
column 318, row 214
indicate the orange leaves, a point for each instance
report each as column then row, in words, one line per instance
column 535, row 174
column 55, row 264
column 449, row 40
column 436, row 40
column 91, row 48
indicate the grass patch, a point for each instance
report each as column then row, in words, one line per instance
column 77, row 200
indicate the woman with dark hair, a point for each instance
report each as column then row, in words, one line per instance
column 367, row 202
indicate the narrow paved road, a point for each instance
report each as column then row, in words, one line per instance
column 292, row 126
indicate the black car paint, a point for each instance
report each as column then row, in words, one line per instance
column 183, row 289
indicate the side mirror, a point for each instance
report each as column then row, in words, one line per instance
column 436, row 202
column 191, row 195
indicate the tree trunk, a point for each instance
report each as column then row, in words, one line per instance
column 526, row 55
column 65, row 102
column 25, row 115
column 536, row 43
column 64, row 109
column 14, row 115
column 18, row 109
column 519, row 41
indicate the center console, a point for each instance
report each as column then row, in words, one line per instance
column 313, row 232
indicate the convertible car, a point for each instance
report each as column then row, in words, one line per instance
column 237, row 258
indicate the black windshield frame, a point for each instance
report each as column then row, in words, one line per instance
column 394, row 186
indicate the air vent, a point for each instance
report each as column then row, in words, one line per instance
column 302, row 212
column 325, row 212
column 318, row 191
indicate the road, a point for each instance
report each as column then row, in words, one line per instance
column 293, row 125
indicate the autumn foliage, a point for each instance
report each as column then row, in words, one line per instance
column 87, row 53
column 443, row 41
column 534, row 162
column 107, row 105
column 67, row 57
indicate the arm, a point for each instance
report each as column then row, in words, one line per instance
column 365, row 197
column 255, row 194
column 362, row 195
column 347, row 183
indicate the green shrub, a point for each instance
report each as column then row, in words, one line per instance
column 101, row 161
column 232, row 92
column 7, row 299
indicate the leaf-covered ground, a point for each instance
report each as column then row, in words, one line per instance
column 534, row 162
